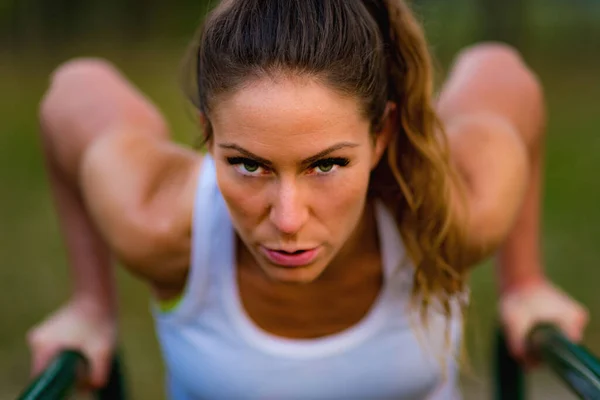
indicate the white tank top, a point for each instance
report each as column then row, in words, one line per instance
column 213, row 350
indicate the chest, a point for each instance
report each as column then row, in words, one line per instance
column 319, row 309
column 391, row 365
column 220, row 353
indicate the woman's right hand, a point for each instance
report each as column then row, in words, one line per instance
column 82, row 325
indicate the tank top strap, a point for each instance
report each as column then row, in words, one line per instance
column 203, row 222
column 396, row 265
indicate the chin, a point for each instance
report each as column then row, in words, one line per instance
column 294, row 275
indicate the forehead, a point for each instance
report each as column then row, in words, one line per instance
column 288, row 111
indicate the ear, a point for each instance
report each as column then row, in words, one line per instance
column 205, row 126
column 385, row 134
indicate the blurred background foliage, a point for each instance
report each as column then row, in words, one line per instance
column 146, row 39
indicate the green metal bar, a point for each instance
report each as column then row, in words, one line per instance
column 115, row 388
column 59, row 379
column 574, row 364
column 509, row 376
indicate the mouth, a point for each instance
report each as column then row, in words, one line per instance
column 291, row 257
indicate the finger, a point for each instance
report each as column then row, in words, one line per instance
column 530, row 363
column 84, row 385
column 100, row 360
column 41, row 358
column 574, row 327
column 515, row 335
column 515, row 346
column 40, row 352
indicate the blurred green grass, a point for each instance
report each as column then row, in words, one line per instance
column 34, row 278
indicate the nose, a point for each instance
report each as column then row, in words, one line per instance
column 288, row 212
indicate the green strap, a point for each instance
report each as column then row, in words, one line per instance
column 166, row 306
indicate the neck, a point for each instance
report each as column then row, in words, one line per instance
column 360, row 246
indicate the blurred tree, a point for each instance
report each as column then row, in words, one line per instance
column 504, row 20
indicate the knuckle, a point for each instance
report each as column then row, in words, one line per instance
column 497, row 51
column 36, row 339
column 85, row 66
column 70, row 74
column 100, row 352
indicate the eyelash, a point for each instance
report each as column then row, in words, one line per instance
column 243, row 161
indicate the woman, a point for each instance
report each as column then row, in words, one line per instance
column 337, row 200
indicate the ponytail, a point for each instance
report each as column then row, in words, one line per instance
column 418, row 164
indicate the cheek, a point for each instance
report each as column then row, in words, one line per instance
column 341, row 201
column 244, row 201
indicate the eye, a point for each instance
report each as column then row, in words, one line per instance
column 328, row 165
column 325, row 166
column 246, row 166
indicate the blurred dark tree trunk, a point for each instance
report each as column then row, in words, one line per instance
column 136, row 16
column 59, row 20
column 23, row 25
column 14, row 32
column 504, row 21
column 41, row 24
column 46, row 24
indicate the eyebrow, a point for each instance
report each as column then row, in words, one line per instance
column 306, row 161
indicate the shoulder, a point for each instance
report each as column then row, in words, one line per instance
column 140, row 191
column 493, row 166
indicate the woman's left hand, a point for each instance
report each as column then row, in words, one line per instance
column 523, row 307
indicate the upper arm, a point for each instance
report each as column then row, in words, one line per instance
column 492, row 107
column 140, row 192
column 492, row 164
column 111, row 145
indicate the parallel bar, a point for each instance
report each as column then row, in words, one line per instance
column 59, row 379
column 509, row 376
column 574, row 364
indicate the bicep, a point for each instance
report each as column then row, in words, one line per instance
column 139, row 190
column 492, row 164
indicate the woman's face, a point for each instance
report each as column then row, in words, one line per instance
column 293, row 160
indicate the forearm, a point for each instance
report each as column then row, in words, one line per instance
column 519, row 259
column 79, row 106
column 89, row 258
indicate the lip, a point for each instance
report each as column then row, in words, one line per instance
column 278, row 257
